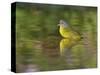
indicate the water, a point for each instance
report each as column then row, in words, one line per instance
column 53, row 53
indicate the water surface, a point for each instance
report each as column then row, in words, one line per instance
column 53, row 53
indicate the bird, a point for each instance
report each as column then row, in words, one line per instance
column 67, row 32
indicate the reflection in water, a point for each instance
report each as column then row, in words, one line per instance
column 66, row 44
column 52, row 54
column 66, row 51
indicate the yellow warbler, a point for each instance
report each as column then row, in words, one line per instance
column 67, row 32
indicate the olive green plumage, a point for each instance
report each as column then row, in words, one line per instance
column 66, row 31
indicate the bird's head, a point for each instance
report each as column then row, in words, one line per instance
column 62, row 23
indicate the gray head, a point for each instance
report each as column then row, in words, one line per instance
column 63, row 23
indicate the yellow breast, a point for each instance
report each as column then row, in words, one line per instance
column 64, row 32
column 68, row 33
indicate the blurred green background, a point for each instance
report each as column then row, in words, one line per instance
column 38, row 37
